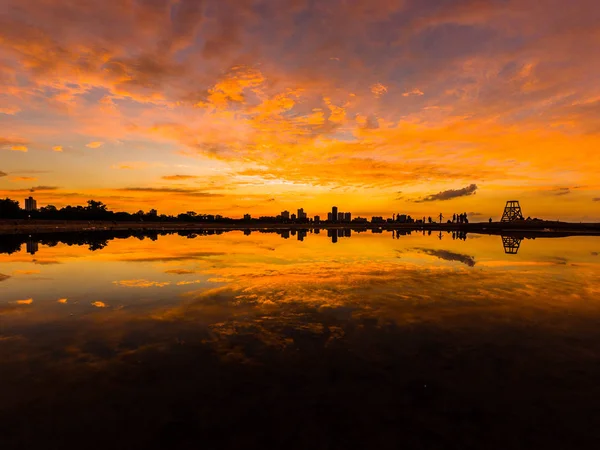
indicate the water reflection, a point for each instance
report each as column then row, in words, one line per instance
column 380, row 339
column 511, row 244
column 99, row 239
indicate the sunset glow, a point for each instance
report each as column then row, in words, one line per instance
column 236, row 106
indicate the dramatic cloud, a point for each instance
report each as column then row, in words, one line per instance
column 450, row 194
column 3, row 174
column 391, row 92
column 99, row 304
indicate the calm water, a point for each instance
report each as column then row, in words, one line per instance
column 314, row 341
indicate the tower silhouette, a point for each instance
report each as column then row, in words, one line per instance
column 511, row 245
column 512, row 211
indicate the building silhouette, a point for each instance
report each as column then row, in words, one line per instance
column 285, row 215
column 30, row 204
column 32, row 246
column 333, row 235
column 347, row 217
column 334, row 214
column 301, row 214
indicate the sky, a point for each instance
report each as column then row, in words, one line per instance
column 258, row 106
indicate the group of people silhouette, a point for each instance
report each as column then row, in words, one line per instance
column 456, row 218
column 460, row 218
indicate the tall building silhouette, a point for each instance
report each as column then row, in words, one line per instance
column 32, row 246
column 30, row 204
column 334, row 213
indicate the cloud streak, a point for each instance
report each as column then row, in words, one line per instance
column 450, row 194
column 167, row 190
column 179, row 177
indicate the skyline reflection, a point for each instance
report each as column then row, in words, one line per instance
column 97, row 240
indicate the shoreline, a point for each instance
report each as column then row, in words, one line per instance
column 20, row 227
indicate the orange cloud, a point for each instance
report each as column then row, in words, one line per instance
column 27, row 301
column 379, row 89
column 412, row 92
column 142, row 283
column 185, row 283
column 57, row 148
column 301, row 124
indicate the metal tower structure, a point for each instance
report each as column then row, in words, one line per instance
column 512, row 211
column 511, row 244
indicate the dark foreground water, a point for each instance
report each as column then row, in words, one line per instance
column 317, row 341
